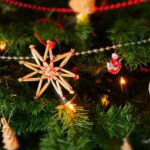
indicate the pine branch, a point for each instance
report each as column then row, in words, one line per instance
column 116, row 122
column 132, row 28
column 72, row 37
column 68, row 130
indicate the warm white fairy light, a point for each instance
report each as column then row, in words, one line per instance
column 122, row 81
column 71, row 107
column 123, row 86
column 3, row 45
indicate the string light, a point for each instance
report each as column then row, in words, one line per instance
column 100, row 50
column 122, row 81
column 123, row 86
column 70, row 106
column 3, row 45
column 15, row 57
column 67, row 104
column 68, row 10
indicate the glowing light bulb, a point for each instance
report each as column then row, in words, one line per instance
column 123, row 86
column 70, row 106
column 82, row 19
column 122, row 81
column 2, row 45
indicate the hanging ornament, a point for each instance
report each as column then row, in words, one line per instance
column 114, row 65
column 104, row 100
column 9, row 139
column 126, row 145
column 3, row 45
column 83, row 9
column 48, row 71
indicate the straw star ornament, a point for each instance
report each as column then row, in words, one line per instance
column 49, row 73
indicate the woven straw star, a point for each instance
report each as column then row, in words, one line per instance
column 48, row 72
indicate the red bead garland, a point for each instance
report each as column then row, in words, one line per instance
column 68, row 10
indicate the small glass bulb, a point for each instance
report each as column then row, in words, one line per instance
column 122, row 81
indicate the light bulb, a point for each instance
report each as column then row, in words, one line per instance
column 3, row 45
column 70, row 106
column 122, row 81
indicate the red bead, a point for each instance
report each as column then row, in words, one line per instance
column 118, row 5
column 15, row 3
column 76, row 77
column 75, row 69
column 39, row 7
column 101, row 8
column 52, row 44
column 68, row 10
column 34, row 7
column 106, row 7
column 112, row 6
column 43, row 9
column 129, row 2
column 141, row 1
column 124, row 4
column 29, row 6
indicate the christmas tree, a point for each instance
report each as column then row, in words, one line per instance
column 75, row 75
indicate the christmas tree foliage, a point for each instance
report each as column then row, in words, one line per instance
column 85, row 78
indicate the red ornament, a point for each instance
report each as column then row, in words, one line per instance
column 74, row 69
column 76, row 77
column 114, row 65
column 52, row 44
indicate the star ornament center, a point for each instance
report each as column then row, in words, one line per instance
column 45, row 67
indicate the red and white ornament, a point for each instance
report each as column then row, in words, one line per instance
column 114, row 65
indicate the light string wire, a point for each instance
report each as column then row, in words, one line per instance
column 68, row 10
column 100, row 50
